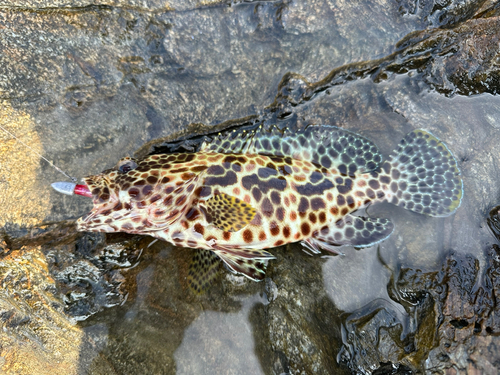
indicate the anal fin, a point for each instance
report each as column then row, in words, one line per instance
column 352, row 230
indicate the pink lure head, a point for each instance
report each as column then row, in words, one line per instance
column 70, row 188
column 83, row 190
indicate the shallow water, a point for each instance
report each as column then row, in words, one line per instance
column 97, row 83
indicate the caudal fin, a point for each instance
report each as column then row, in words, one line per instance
column 422, row 175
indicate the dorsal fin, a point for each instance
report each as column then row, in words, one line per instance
column 328, row 146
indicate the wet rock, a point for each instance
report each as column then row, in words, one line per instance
column 494, row 222
column 142, row 5
column 164, row 327
column 37, row 337
column 438, row 13
column 13, row 159
column 89, row 276
column 467, row 336
column 490, row 8
column 450, row 320
column 441, row 58
column 86, row 268
column 85, row 274
column 296, row 330
column 465, row 71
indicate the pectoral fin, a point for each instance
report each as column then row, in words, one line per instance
column 228, row 213
column 250, row 263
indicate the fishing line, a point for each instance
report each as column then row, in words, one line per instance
column 73, row 179
column 41, row 156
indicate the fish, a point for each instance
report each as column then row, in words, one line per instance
column 246, row 192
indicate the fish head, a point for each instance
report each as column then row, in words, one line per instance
column 132, row 197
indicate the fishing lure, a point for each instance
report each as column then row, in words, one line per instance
column 243, row 193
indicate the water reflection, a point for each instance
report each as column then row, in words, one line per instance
column 143, row 280
column 353, row 280
column 220, row 343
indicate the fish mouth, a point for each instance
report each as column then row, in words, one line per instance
column 104, row 200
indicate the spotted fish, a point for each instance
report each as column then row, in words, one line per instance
column 244, row 193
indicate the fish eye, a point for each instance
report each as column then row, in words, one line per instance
column 126, row 165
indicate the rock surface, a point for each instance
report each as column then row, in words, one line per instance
column 87, row 82
column 458, row 296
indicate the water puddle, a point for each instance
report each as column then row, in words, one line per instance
column 225, row 339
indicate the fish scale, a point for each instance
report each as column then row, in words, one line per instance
column 243, row 193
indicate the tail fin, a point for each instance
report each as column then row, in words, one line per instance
column 422, row 175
